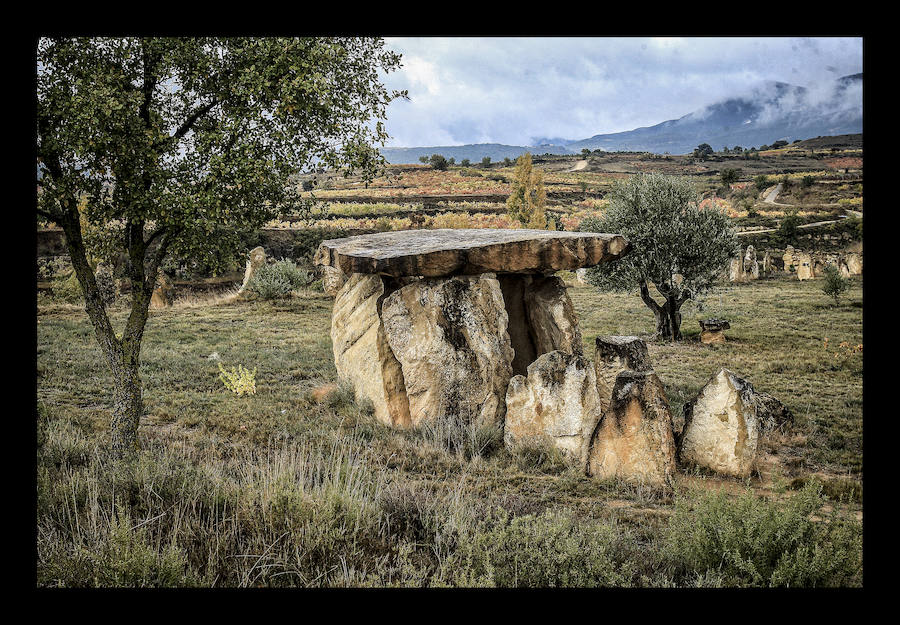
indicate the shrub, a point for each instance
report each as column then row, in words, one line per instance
column 279, row 279
column 835, row 283
column 751, row 541
column 761, row 182
column 438, row 162
column 787, row 230
column 553, row 549
column 239, row 381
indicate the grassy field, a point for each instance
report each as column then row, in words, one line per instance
column 296, row 487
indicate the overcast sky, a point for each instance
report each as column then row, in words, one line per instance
column 513, row 90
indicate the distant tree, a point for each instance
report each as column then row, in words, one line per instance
column 779, row 144
column 737, row 149
column 702, row 151
column 677, row 246
column 438, row 162
column 835, row 283
column 423, row 159
column 763, row 148
column 527, row 199
column 807, row 181
column 788, row 229
column 507, row 162
column 465, row 162
column 585, row 152
column 171, row 146
column 451, row 160
column 730, row 175
column 761, row 182
column 725, row 150
column 486, row 161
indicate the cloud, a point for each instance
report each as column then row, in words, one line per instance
column 512, row 90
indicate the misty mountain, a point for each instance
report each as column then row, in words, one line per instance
column 767, row 113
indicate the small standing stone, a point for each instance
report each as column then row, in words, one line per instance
column 164, row 293
column 634, row 439
column 612, row 356
column 713, row 330
column 255, row 260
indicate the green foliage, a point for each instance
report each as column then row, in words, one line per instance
column 551, row 550
column 788, row 229
column 279, row 279
column 761, row 182
column 749, row 541
column 527, row 200
column 486, row 161
column 465, row 162
column 702, row 151
column 238, row 380
column 835, row 284
column 438, row 162
column 807, row 181
column 730, row 175
column 669, row 233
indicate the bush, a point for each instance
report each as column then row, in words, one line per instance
column 279, row 279
column 751, row 541
column 438, row 162
column 787, row 230
column 835, row 283
column 761, row 182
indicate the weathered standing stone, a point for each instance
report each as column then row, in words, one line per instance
column 255, row 259
column 721, row 426
column 164, row 293
column 444, row 252
column 803, row 262
column 634, row 438
column 362, row 355
column 450, row 337
column 556, row 402
column 713, row 330
column 736, row 270
column 751, row 266
column 789, row 259
column 612, row 356
column 551, row 316
column 332, row 280
column 767, row 268
column 854, row 263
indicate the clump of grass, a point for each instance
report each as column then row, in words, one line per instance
column 750, row 541
column 541, row 456
column 459, row 436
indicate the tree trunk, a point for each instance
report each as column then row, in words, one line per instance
column 668, row 317
column 127, row 405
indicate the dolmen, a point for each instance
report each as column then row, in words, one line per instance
column 713, row 330
column 430, row 323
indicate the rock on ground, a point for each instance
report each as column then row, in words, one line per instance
column 634, row 439
column 722, row 426
column 450, row 338
column 255, row 259
column 556, row 402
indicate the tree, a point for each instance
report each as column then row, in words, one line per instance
column 423, row 160
column 730, row 176
column 486, row 161
column 465, row 162
column 173, row 144
column 438, row 162
column 835, row 283
column 507, row 162
column 678, row 247
column 527, row 200
column 761, row 182
column 585, row 152
column 702, row 151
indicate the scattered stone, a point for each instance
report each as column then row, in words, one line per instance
column 854, row 263
column 255, row 259
column 721, row 426
column 362, row 355
column 736, row 270
column 557, row 401
column 767, row 269
column 450, row 338
column 612, row 356
column 634, row 439
column 444, row 252
column 713, row 330
column 788, row 258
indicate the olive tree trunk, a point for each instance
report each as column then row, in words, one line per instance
column 668, row 315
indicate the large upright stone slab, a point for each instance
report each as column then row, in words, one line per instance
column 450, row 338
column 721, row 426
column 634, row 439
column 557, row 403
column 362, row 355
column 445, row 252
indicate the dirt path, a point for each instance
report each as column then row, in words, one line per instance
column 580, row 165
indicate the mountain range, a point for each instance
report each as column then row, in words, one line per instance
column 767, row 113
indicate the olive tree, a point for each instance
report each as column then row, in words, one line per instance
column 156, row 146
column 678, row 247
